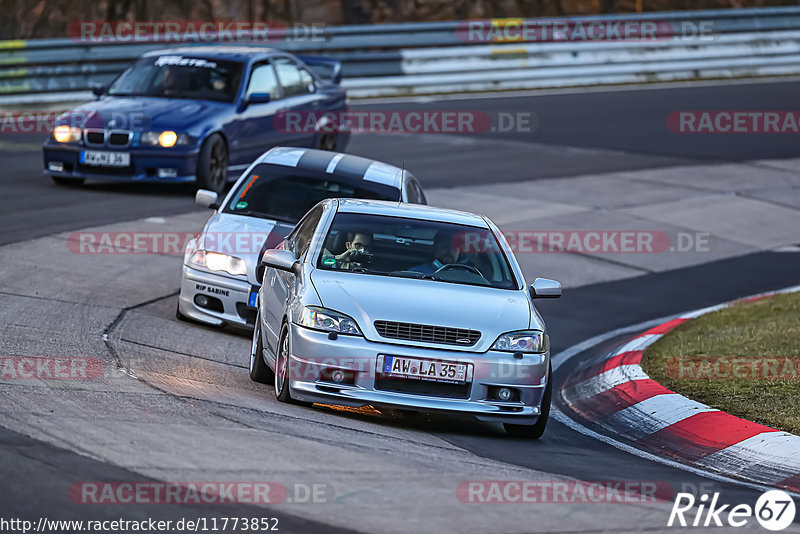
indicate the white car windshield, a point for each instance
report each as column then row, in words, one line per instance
column 415, row 248
column 286, row 195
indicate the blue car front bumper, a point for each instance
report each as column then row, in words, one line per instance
column 176, row 165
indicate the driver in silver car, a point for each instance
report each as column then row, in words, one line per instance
column 444, row 253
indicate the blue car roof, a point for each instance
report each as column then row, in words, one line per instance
column 231, row 53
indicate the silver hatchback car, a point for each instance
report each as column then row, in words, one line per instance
column 406, row 307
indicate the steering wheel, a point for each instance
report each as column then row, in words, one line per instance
column 463, row 266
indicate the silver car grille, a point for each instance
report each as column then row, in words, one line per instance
column 428, row 333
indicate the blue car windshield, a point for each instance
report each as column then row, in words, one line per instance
column 415, row 248
column 177, row 76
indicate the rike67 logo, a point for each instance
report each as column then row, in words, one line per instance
column 774, row 510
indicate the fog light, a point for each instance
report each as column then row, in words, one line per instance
column 209, row 303
column 56, row 166
column 504, row 394
column 338, row 376
column 167, row 173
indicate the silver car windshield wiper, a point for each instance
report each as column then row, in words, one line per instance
column 414, row 275
column 364, row 270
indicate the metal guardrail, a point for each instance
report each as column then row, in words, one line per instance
column 559, row 65
column 434, row 57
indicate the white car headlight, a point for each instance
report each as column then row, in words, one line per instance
column 214, row 261
column 166, row 139
column 528, row 341
column 328, row 321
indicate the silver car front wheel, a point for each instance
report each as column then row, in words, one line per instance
column 282, row 392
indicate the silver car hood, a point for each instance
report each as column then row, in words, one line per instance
column 368, row 298
column 241, row 236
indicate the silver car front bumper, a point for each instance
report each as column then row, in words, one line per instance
column 313, row 356
column 232, row 296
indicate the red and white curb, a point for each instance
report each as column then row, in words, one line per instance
column 617, row 395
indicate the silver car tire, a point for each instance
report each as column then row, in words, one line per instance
column 259, row 370
column 536, row 430
column 282, row 390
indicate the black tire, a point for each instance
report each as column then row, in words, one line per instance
column 259, row 370
column 212, row 164
column 282, row 392
column 328, row 141
column 67, row 182
column 178, row 315
column 535, row 431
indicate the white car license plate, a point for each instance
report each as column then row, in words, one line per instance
column 422, row 369
column 100, row 158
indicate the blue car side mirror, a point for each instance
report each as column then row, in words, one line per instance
column 98, row 90
column 258, row 98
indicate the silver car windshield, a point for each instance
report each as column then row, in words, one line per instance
column 413, row 248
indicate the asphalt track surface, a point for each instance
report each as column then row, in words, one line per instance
column 586, row 133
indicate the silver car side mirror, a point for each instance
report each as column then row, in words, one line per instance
column 544, row 288
column 282, row 260
column 207, row 199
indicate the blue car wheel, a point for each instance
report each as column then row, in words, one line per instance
column 212, row 164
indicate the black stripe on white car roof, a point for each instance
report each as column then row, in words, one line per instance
column 353, row 166
column 316, row 160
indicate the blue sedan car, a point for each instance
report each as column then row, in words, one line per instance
column 197, row 114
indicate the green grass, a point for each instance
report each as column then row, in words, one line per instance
column 756, row 331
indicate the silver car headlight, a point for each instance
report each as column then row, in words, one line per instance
column 526, row 341
column 214, row 261
column 328, row 321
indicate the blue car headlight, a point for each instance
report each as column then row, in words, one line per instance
column 166, row 139
column 64, row 133
column 328, row 321
column 525, row 341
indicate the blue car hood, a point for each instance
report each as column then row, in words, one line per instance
column 142, row 113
